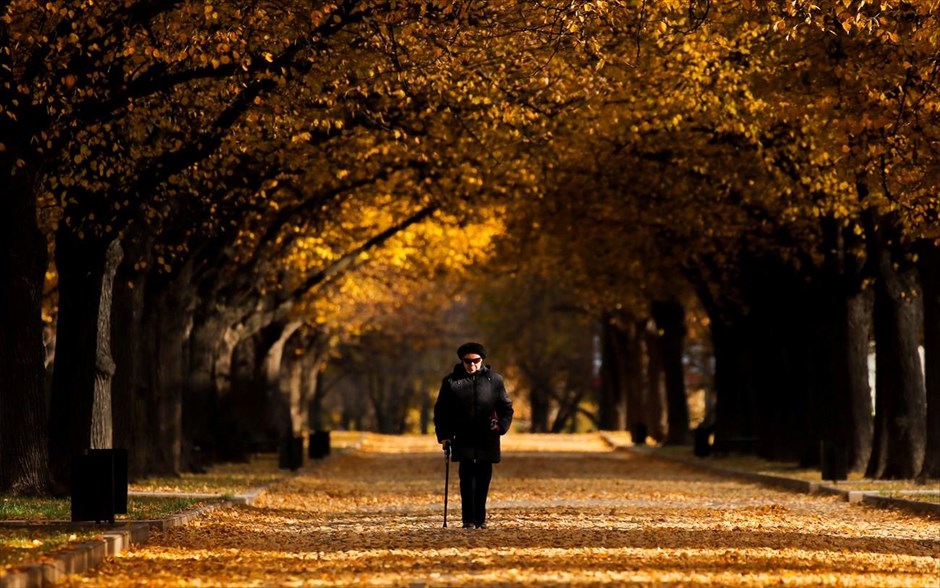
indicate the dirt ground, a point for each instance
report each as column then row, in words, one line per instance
column 563, row 510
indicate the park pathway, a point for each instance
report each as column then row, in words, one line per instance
column 563, row 511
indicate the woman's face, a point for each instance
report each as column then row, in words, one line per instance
column 472, row 363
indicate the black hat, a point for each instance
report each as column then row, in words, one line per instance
column 471, row 348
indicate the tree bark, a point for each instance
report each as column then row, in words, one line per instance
column 201, row 396
column 612, row 403
column 735, row 406
column 634, row 363
column 83, row 363
column 24, row 449
column 169, row 321
column 283, row 406
column 857, row 402
column 929, row 267
column 102, row 424
column 657, row 412
column 900, row 435
column 670, row 322
column 130, row 414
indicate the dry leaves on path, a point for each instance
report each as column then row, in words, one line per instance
column 575, row 514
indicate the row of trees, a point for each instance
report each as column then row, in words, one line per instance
column 778, row 171
column 198, row 173
column 204, row 200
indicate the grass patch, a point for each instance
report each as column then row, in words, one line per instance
column 932, row 497
column 60, row 509
column 15, row 508
column 19, row 547
column 223, row 479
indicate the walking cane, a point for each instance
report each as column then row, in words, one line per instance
column 446, row 480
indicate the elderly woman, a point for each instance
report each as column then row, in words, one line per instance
column 471, row 412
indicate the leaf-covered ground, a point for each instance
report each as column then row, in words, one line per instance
column 574, row 513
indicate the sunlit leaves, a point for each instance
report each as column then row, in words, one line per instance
column 578, row 514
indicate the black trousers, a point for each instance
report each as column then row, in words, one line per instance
column 475, row 479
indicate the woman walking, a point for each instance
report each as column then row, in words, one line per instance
column 471, row 413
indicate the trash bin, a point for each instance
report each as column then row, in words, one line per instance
column 319, row 445
column 291, row 454
column 638, row 433
column 834, row 461
column 99, row 485
column 702, row 442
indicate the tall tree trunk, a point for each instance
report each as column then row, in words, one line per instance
column 777, row 337
column 282, row 408
column 669, row 316
column 539, row 394
column 900, row 397
column 929, row 266
column 86, row 268
column 846, row 309
column 130, row 414
column 254, row 410
column 200, row 396
column 314, row 390
column 657, row 411
column 24, row 449
column 634, row 375
column 734, row 389
column 169, row 309
column 102, row 424
column 612, row 404
column 231, row 438
column 299, row 373
column 857, row 403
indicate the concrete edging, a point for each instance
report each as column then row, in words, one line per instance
column 78, row 558
column 872, row 499
column 87, row 555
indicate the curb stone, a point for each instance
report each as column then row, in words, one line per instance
column 872, row 499
column 87, row 555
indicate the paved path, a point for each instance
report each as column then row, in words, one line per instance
column 581, row 515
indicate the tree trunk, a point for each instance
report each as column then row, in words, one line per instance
column 102, row 424
column 539, row 394
column 302, row 362
column 670, row 321
column 734, row 390
column 612, row 404
column 657, row 412
column 200, row 397
column 169, row 311
column 900, row 397
column 634, row 370
column 857, row 404
column 231, row 438
column 130, row 414
column 778, row 335
column 79, row 420
column 929, row 266
column 283, row 408
column 24, row 449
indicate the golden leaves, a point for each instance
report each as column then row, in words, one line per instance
column 562, row 508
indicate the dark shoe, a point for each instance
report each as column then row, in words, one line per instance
column 481, row 526
column 468, row 525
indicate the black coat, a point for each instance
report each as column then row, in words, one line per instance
column 463, row 410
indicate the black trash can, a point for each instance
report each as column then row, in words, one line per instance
column 99, row 485
column 702, row 442
column 834, row 461
column 638, row 433
column 291, row 454
column 319, row 445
